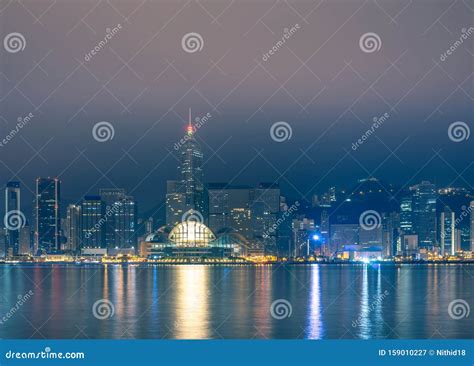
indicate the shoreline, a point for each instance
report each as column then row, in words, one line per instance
column 146, row 264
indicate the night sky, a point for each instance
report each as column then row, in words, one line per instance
column 321, row 82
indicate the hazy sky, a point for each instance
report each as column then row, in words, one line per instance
column 324, row 83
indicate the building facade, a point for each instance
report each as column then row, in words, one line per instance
column 12, row 205
column 47, row 215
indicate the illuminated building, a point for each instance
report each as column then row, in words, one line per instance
column 121, row 213
column 12, row 203
column 187, row 192
column 191, row 239
column 73, row 227
column 47, row 215
column 92, row 222
column 424, row 213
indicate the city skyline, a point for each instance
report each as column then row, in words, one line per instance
column 329, row 99
column 237, row 170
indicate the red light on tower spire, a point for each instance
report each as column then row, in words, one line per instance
column 190, row 125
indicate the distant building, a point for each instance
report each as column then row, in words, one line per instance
column 188, row 191
column 47, row 215
column 410, row 245
column 302, row 229
column 12, row 203
column 325, row 232
column 25, row 247
column 73, row 227
column 424, row 213
column 447, row 231
column 406, row 214
column 370, row 236
column 92, row 223
column 121, row 218
column 343, row 234
column 265, row 212
column 3, row 243
column 251, row 212
column 390, row 234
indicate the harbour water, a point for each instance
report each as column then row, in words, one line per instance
column 319, row 301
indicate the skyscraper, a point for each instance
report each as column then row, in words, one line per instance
column 230, row 208
column 121, row 218
column 447, row 231
column 265, row 212
column 25, row 240
column 92, row 223
column 47, row 215
column 73, row 227
column 188, row 193
column 124, row 222
column 424, row 213
column 12, row 203
column 406, row 214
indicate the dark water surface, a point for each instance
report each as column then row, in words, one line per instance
column 196, row 302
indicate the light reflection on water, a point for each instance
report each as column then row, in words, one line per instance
column 201, row 302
